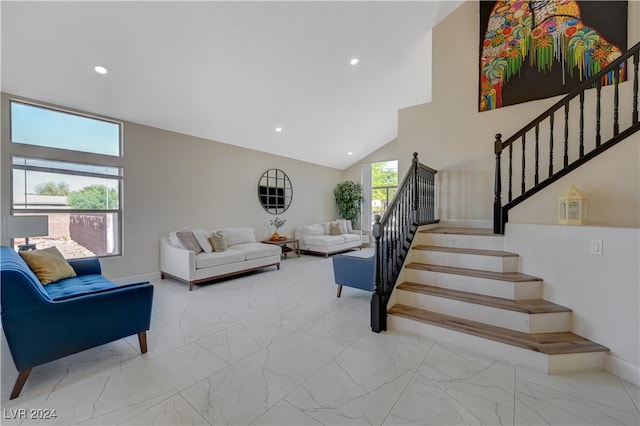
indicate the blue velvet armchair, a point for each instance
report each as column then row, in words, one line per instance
column 354, row 269
column 44, row 323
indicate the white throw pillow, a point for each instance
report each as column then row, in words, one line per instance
column 234, row 236
column 202, row 236
column 326, row 228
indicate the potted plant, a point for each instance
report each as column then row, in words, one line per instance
column 278, row 223
column 349, row 199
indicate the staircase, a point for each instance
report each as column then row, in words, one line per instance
column 459, row 287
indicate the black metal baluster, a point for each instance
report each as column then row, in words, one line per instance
column 635, row 87
column 581, row 124
column 616, row 96
column 510, row 171
column 524, row 143
column 598, row 95
column 566, row 134
column 536, row 177
column 551, row 144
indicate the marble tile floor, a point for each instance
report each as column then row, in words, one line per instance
column 278, row 348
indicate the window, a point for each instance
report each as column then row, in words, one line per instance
column 384, row 184
column 83, row 201
column 35, row 125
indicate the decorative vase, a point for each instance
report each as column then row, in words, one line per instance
column 275, row 236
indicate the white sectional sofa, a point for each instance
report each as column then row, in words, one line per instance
column 324, row 238
column 196, row 256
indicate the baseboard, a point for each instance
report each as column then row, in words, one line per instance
column 466, row 223
column 137, row 278
column 622, row 369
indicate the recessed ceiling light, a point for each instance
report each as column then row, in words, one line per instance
column 278, row 129
column 350, row 153
column 100, row 69
column 354, row 61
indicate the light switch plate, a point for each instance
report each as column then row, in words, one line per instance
column 596, row 247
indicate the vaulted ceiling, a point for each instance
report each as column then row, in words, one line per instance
column 232, row 72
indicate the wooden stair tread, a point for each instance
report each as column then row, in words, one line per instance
column 502, row 276
column 548, row 343
column 527, row 306
column 482, row 252
column 462, row 231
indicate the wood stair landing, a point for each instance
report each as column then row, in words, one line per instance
column 527, row 306
column 547, row 343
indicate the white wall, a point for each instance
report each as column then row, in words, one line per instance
column 451, row 136
column 603, row 291
column 388, row 152
column 173, row 180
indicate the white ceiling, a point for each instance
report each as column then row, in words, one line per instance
column 231, row 71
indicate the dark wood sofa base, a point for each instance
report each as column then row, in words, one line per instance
column 204, row 280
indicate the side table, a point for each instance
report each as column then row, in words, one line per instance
column 283, row 243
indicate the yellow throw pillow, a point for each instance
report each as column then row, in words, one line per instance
column 48, row 264
column 217, row 241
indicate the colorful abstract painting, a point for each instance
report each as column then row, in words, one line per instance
column 538, row 49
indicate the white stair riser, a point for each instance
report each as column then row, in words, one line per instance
column 548, row 364
column 464, row 260
column 569, row 363
column 487, row 287
column 519, row 321
column 460, row 241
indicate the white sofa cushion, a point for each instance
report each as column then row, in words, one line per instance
column 257, row 250
column 324, row 241
column 352, row 237
column 217, row 258
column 311, row 230
column 233, row 236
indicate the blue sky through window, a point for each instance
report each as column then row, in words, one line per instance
column 55, row 129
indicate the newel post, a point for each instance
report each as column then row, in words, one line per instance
column 378, row 308
column 497, row 200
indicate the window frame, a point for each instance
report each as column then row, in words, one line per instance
column 40, row 152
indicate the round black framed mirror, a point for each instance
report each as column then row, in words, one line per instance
column 275, row 191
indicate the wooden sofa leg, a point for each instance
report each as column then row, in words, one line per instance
column 20, row 381
column 190, row 285
column 339, row 290
column 142, row 338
